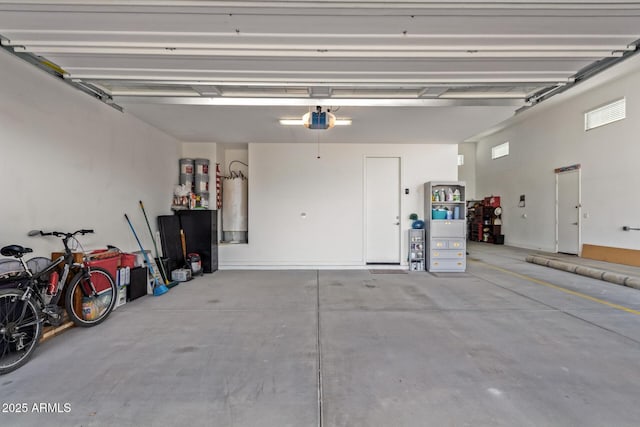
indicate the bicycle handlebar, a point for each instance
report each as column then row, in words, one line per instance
column 59, row 233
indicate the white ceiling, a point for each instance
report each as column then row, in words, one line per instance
column 404, row 71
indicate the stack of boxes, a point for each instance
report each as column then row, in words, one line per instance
column 123, row 278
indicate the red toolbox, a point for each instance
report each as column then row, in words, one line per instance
column 111, row 265
column 128, row 260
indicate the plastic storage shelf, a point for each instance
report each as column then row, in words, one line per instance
column 445, row 236
column 416, row 249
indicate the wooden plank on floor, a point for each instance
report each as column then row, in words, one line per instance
column 611, row 254
column 52, row 331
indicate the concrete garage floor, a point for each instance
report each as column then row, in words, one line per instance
column 505, row 344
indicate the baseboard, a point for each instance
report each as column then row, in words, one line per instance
column 530, row 247
column 309, row 267
column 611, row 254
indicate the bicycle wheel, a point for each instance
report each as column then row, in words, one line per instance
column 20, row 329
column 88, row 308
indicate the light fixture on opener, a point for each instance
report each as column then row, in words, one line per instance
column 317, row 120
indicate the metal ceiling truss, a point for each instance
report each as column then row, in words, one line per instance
column 54, row 70
column 582, row 75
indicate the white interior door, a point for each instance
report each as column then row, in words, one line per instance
column 568, row 211
column 382, row 218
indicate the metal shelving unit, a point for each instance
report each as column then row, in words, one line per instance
column 416, row 249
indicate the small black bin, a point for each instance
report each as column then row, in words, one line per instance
column 138, row 284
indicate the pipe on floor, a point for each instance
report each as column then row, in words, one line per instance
column 594, row 273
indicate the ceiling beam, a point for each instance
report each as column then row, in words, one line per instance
column 316, row 77
column 353, row 4
column 321, row 53
column 329, row 102
column 372, row 83
column 317, row 91
column 207, row 90
column 320, row 46
column 319, row 35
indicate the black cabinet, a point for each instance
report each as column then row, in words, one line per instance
column 169, row 226
column 201, row 235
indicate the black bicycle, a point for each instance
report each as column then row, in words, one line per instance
column 32, row 298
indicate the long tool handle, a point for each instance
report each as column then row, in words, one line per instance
column 144, row 253
column 163, row 273
column 183, row 241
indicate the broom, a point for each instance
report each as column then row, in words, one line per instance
column 158, row 288
column 163, row 272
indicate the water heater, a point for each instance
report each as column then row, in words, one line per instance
column 235, row 208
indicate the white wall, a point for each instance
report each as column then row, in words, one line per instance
column 68, row 161
column 201, row 150
column 467, row 172
column 286, row 180
column 230, row 152
column 552, row 136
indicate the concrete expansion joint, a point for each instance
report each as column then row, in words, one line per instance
column 594, row 273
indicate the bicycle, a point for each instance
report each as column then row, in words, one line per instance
column 33, row 297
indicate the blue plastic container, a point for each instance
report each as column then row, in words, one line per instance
column 417, row 224
column 438, row 214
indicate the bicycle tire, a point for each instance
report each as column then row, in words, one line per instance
column 78, row 294
column 13, row 323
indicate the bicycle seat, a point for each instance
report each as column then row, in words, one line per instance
column 15, row 251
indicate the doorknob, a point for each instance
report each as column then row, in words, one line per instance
column 574, row 223
column 397, row 223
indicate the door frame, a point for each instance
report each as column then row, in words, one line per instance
column 364, row 203
column 569, row 169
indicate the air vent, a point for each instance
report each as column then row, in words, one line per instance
column 500, row 151
column 604, row 115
